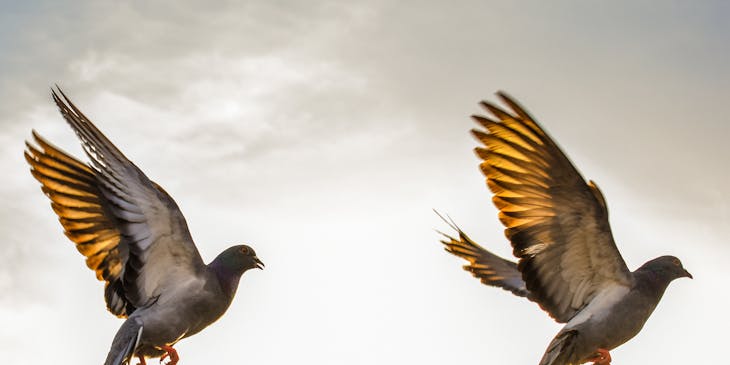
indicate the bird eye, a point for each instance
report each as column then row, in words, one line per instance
column 244, row 250
column 676, row 262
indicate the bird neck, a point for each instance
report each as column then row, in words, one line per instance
column 227, row 276
column 653, row 282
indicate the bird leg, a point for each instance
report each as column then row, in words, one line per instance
column 169, row 351
column 601, row 357
column 141, row 360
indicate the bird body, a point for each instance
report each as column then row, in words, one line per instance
column 557, row 224
column 136, row 239
column 613, row 317
column 177, row 314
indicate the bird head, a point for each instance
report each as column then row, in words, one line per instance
column 669, row 266
column 240, row 258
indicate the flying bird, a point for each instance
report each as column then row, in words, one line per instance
column 557, row 224
column 134, row 238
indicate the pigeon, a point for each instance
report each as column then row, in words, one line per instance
column 134, row 238
column 557, row 224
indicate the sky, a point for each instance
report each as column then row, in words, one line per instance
column 323, row 133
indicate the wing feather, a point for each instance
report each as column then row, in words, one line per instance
column 149, row 219
column 489, row 268
column 78, row 202
column 118, row 218
column 557, row 223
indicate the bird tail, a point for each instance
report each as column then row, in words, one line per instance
column 125, row 342
column 561, row 349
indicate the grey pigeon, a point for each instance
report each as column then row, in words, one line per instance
column 558, row 227
column 135, row 238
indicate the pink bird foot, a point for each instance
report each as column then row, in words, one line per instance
column 602, row 357
column 169, row 351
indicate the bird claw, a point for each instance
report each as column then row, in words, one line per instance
column 162, row 360
column 169, row 352
column 601, row 357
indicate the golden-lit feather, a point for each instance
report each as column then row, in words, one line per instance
column 557, row 223
column 118, row 218
column 489, row 268
column 79, row 204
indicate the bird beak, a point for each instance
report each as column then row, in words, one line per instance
column 687, row 274
column 259, row 264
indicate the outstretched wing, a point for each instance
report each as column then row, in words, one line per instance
column 131, row 231
column 556, row 222
column 484, row 265
column 84, row 215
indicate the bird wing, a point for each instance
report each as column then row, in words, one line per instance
column 489, row 268
column 131, row 231
column 84, row 215
column 556, row 222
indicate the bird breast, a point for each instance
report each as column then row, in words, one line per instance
column 600, row 306
column 179, row 313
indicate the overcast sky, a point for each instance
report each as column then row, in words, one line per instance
column 322, row 133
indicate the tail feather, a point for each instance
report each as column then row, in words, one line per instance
column 561, row 350
column 125, row 343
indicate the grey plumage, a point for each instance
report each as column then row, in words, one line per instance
column 558, row 226
column 125, row 342
column 135, row 238
column 623, row 320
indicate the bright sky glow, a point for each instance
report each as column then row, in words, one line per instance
column 324, row 133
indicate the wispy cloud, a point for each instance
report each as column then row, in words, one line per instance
column 322, row 133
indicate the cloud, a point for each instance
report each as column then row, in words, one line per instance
column 323, row 133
